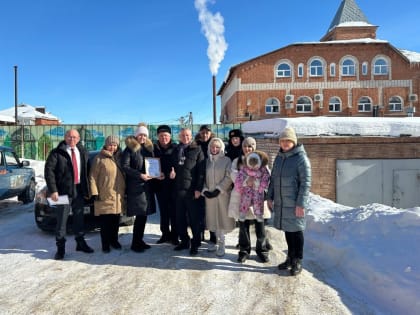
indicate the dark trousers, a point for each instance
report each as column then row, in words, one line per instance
column 166, row 203
column 187, row 213
column 295, row 241
column 245, row 238
column 138, row 230
column 109, row 224
column 77, row 204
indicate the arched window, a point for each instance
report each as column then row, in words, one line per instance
column 364, row 104
column 380, row 67
column 316, row 68
column 348, row 68
column 304, row 105
column 334, row 104
column 284, row 70
column 365, row 68
column 395, row 104
column 272, row 106
column 332, row 69
column 300, row 70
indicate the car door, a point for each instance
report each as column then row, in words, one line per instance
column 13, row 177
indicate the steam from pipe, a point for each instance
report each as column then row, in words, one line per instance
column 212, row 27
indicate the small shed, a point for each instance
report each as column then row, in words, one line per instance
column 360, row 161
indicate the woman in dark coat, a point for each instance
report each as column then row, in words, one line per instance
column 140, row 200
column 288, row 195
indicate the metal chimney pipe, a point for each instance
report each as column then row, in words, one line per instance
column 214, row 100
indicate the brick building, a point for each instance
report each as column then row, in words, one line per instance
column 347, row 73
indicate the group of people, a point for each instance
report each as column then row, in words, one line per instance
column 203, row 185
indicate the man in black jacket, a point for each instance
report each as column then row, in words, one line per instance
column 188, row 171
column 165, row 188
column 66, row 171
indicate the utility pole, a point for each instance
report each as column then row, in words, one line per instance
column 16, row 96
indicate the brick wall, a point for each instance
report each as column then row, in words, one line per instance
column 324, row 152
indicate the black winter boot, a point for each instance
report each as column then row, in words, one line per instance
column 287, row 264
column 296, row 267
column 82, row 246
column 61, row 249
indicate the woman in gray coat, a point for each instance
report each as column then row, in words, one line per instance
column 288, row 196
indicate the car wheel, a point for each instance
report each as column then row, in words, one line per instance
column 28, row 195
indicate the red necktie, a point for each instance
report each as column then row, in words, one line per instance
column 75, row 169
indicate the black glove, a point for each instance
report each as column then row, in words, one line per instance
column 212, row 194
column 207, row 194
column 216, row 193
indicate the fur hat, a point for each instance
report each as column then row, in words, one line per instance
column 249, row 141
column 289, row 134
column 260, row 156
column 141, row 130
column 163, row 128
column 253, row 160
column 236, row 133
column 205, row 127
column 112, row 140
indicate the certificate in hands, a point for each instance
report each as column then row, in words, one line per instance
column 152, row 166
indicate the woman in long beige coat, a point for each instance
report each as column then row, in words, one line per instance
column 217, row 189
column 107, row 186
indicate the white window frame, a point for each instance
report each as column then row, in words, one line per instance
column 365, row 68
column 316, row 70
column 395, row 104
column 300, row 70
column 305, row 107
column 364, row 107
column 334, row 102
column 380, row 69
column 348, row 68
column 271, row 105
column 332, row 70
column 284, row 73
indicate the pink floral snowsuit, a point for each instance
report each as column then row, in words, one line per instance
column 252, row 196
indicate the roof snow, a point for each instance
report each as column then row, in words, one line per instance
column 337, row 126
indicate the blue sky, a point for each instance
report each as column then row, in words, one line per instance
column 122, row 62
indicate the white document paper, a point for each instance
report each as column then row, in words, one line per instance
column 62, row 200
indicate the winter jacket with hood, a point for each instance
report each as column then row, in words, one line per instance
column 289, row 187
column 107, row 182
column 140, row 198
column 235, row 196
column 218, row 177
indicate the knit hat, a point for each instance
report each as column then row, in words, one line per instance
column 289, row 134
column 112, row 140
column 236, row 133
column 249, row 141
column 164, row 128
column 141, row 130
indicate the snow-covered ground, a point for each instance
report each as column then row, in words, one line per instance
column 360, row 260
